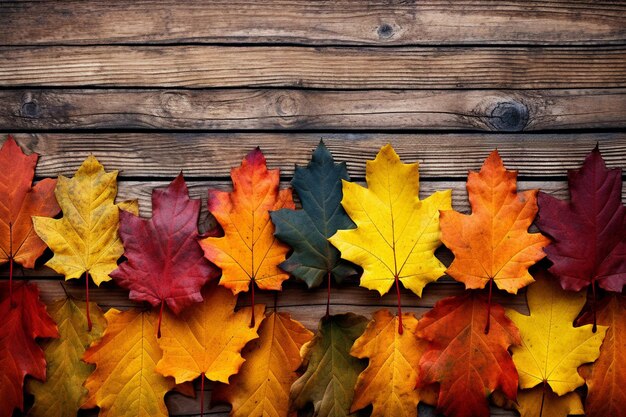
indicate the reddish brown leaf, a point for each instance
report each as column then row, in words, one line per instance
column 20, row 355
column 165, row 264
column 606, row 377
column 467, row 363
column 18, row 202
column 589, row 231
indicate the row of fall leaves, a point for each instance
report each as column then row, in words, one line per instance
column 457, row 354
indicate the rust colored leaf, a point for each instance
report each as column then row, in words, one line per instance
column 606, row 377
column 467, row 363
column 492, row 245
column 261, row 388
column 18, row 202
column 248, row 253
column 20, row 325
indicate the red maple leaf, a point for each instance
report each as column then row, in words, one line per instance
column 20, row 355
column 468, row 363
column 165, row 263
column 588, row 232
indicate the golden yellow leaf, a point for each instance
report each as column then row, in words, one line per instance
column 261, row 388
column 529, row 403
column 125, row 383
column 388, row 382
column 62, row 394
column 552, row 348
column 206, row 338
column 397, row 233
column 85, row 239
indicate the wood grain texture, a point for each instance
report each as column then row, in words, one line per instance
column 212, row 155
column 289, row 109
column 345, row 68
column 372, row 22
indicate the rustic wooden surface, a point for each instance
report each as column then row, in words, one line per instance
column 152, row 87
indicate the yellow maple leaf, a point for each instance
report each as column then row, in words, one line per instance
column 85, row 239
column 125, row 383
column 388, row 382
column 540, row 401
column 261, row 388
column 397, row 233
column 552, row 348
column 206, row 339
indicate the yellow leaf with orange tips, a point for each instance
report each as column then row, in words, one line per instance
column 388, row 382
column 397, row 233
column 261, row 388
column 125, row 383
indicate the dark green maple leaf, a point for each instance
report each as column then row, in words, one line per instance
column 307, row 230
column 331, row 373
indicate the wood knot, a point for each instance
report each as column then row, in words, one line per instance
column 286, row 105
column 30, row 109
column 509, row 116
column 175, row 102
column 385, row 31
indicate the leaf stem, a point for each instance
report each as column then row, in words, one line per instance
column 488, row 325
column 400, row 327
column 202, row 376
column 87, row 300
column 543, row 398
column 160, row 318
column 593, row 306
column 328, row 298
column 252, row 321
column 12, row 304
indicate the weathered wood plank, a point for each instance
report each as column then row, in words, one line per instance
column 490, row 110
column 345, row 68
column 214, row 154
column 378, row 22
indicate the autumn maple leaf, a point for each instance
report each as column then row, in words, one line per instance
column 388, row 382
column 248, row 253
column 397, row 233
column 85, row 239
column 606, row 378
column 125, row 383
column 541, row 401
column 261, row 387
column 588, row 232
column 20, row 355
column 18, row 202
column 165, row 264
column 63, row 393
column 330, row 375
column 468, row 363
column 552, row 349
column 307, row 231
column 492, row 245
column 206, row 339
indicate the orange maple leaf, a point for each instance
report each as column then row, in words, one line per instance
column 206, row 339
column 248, row 252
column 493, row 244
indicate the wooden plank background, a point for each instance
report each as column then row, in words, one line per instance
column 152, row 87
